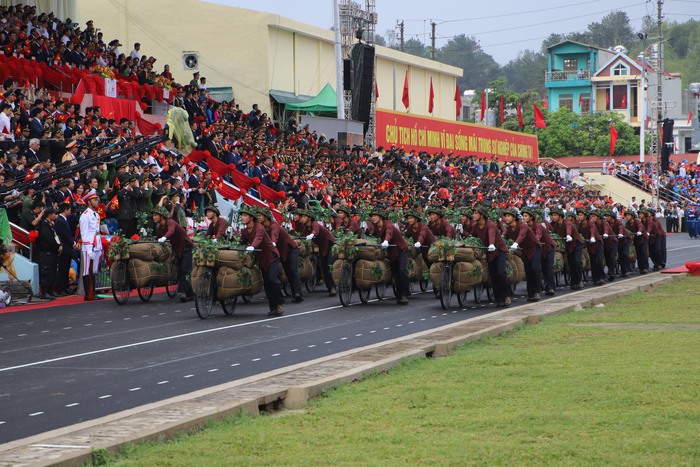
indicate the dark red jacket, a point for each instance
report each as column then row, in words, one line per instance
column 442, row 228
column 523, row 235
column 566, row 227
column 257, row 237
column 282, row 238
column 390, row 233
column 174, row 232
column 489, row 235
column 544, row 238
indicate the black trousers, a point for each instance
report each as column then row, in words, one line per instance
column 48, row 263
column 575, row 263
column 533, row 272
column 597, row 271
column 623, row 251
column 291, row 269
column 399, row 271
column 272, row 284
column 62, row 279
column 548, row 270
column 325, row 261
column 655, row 253
column 662, row 250
column 184, row 263
column 499, row 278
column 127, row 226
column 611, row 259
column 642, row 248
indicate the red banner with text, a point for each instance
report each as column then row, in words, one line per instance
column 435, row 135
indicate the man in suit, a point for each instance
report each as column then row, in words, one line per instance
column 63, row 230
column 36, row 125
column 32, row 153
column 127, row 197
column 48, row 247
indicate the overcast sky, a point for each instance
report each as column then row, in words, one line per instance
column 502, row 27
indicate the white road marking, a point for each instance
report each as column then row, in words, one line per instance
column 372, row 332
column 294, row 350
column 399, row 325
column 21, row 335
column 212, row 370
column 35, row 414
column 134, row 389
column 88, row 324
column 343, row 338
column 256, row 359
column 328, row 342
column 236, row 364
column 411, row 322
column 106, row 396
column 2, row 423
column 163, row 339
column 188, row 376
column 69, row 327
column 44, row 332
column 109, row 321
column 275, row 355
column 358, row 335
column 144, row 316
column 161, row 314
column 386, row 329
column 73, row 404
column 311, row 346
column 422, row 319
column 163, row 382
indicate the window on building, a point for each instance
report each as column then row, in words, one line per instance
column 570, row 64
column 566, row 100
column 619, row 100
column 620, row 70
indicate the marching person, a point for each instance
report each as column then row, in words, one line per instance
column 465, row 226
column 255, row 236
column 574, row 246
column 497, row 252
column 661, row 239
column 397, row 254
column 524, row 238
column 322, row 237
column 217, row 226
column 548, row 248
column 438, row 225
column 419, row 233
column 48, row 247
column 623, row 242
column 589, row 232
column 169, row 230
column 641, row 243
column 288, row 250
column 609, row 241
column 91, row 245
column 346, row 223
column 646, row 216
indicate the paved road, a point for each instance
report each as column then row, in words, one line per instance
column 63, row 365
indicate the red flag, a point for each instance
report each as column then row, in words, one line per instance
column 690, row 117
column 431, row 97
column 539, row 118
column 102, row 211
column 376, row 90
column 607, row 99
column 546, row 103
column 502, row 109
column 483, row 105
column 613, row 139
column 404, row 97
column 521, row 122
column 624, row 102
column 113, row 203
column 458, row 101
column 77, row 97
column 116, row 183
column 580, row 99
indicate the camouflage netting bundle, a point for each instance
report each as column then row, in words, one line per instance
column 234, row 259
column 559, row 262
column 370, row 253
column 465, row 275
column 149, row 251
column 371, row 273
column 230, row 282
column 146, row 273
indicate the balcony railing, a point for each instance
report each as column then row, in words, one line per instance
column 559, row 75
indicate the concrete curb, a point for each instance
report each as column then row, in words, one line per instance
column 293, row 386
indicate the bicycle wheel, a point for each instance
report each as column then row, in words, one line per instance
column 204, row 294
column 478, row 291
column 120, row 283
column 364, row 295
column 247, row 298
column 423, row 285
column 462, row 298
column 489, row 293
column 311, row 282
column 446, row 287
column 145, row 293
column 171, row 286
column 345, row 285
column 380, row 291
column 229, row 305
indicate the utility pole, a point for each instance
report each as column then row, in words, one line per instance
column 401, row 36
column 432, row 40
column 656, row 156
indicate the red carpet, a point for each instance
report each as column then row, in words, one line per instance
column 676, row 270
column 72, row 300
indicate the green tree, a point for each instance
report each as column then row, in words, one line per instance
column 379, row 40
column 415, row 47
column 466, row 53
column 614, row 29
column 526, row 72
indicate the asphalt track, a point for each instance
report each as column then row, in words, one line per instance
column 63, row 365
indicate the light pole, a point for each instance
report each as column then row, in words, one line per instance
column 643, row 110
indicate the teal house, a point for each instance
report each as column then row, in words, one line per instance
column 570, row 66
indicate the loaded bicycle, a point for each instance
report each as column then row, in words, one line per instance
column 142, row 265
column 361, row 266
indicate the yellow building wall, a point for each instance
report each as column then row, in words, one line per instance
column 254, row 52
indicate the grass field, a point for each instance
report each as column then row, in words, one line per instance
column 618, row 385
